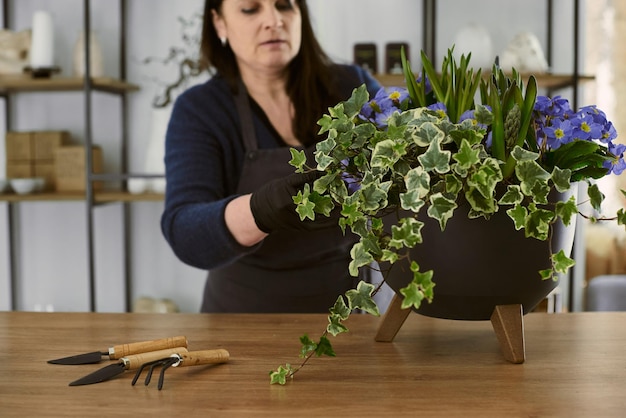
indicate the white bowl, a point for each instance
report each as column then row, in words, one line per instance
column 25, row 185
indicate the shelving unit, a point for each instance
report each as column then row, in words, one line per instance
column 12, row 85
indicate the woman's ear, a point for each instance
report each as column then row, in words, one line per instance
column 218, row 22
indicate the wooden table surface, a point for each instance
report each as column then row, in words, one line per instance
column 575, row 366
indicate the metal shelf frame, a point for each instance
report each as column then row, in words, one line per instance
column 87, row 86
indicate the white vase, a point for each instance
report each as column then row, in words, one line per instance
column 42, row 41
column 154, row 163
column 96, row 66
column 155, row 153
column 475, row 39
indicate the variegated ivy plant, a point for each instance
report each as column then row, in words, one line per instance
column 425, row 148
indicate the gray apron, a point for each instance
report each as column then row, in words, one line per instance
column 291, row 271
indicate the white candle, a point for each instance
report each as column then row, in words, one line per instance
column 42, row 41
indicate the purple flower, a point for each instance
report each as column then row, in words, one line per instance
column 617, row 165
column 585, row 127
column 558, row 133
column 385, row 102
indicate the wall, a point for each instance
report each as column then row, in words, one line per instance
column 53, row 267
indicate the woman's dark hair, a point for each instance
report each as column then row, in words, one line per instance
column 309, row 85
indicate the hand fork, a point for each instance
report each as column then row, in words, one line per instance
column 192, row 358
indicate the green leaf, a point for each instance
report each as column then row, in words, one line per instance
column 298, row 159
column 562, row 263
column 413, row 296
column 335, row 326
column 406, row 234
column 596, row 196
column 324, row 348
column 518, row 214
column 561, row 179
column 361, row 298
column 513, row 195
column 304, row 206
column 417, row 180
column 353, row 105
column 279, row 376
column 387, row 153
column 538, row 223
column 420, row 288
column 360, row 258
column 567, row 210
column 441, row 208
column 435, row 159
column 340, row 309
column 621, row 217
column 546, row 274
column 467, row 157
column 308, row 345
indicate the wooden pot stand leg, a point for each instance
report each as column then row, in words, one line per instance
column 507, row 322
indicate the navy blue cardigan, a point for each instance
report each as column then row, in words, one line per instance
column 204, row 156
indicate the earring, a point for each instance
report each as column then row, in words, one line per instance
column 223, row 40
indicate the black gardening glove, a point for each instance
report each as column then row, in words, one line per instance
column 273, row 208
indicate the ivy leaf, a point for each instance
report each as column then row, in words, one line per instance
column 340, row 309
column 417, row 180
column 441, row 208
column 435, row 159
column 621, row 217
column 324, row 348
column 360, row 258
column 279, row 376
column 596, row 196
column 513, row 195
column 411, row 201
column 466, row 156
column 304, row 206
column 546, row 274
column 561, row 179
column 361, row 298
column 373, row 196
column 529, row 172
column 298, row 159
column 566, row 210
column 308, row 345
column 518, row 214
column 408, row 233
column 420, row 288
column 386, row 153
column 413, row 296
column 538, row 223
column 335, row 327
column 353, row 105
column 562, row 263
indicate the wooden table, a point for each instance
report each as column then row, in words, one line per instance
column 575, row 366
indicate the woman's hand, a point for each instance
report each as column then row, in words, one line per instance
column 273, row 208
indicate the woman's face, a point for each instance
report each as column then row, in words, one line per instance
column 265, row 35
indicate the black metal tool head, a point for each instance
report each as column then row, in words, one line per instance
column 100, row 375
column 164, row 363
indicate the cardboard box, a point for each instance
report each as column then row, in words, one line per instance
column 45, row 143
column 47, row 170
column 17, row 169
column 19, row 146
column 70, row 168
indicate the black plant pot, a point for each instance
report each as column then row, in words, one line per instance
column 479, row 264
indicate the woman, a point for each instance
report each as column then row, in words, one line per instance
column 228, row 206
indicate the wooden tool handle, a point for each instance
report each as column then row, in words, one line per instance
column 196, row 358
column 124, row 350
column 135, row 361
